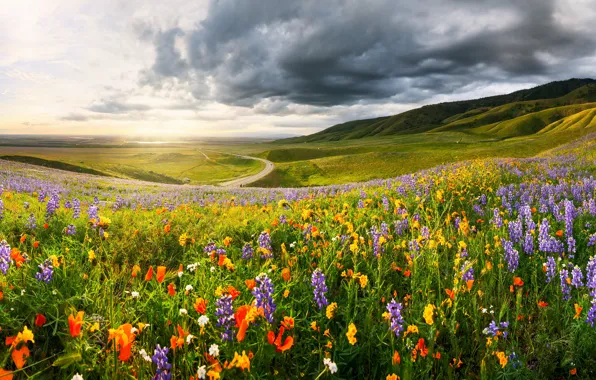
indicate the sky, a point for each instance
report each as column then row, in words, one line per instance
column 271, row 68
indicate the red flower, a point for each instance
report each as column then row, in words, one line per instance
column 40, row 320
column 171, row 289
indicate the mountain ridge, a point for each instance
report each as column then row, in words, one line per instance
column 465, row 115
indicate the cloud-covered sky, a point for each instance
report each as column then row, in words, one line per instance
column 272, row 67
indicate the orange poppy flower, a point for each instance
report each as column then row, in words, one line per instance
column 279, row 347
column 288, row 323
column 180, row 269
column 396, row 359
column 573, row 371
column 178, row 341
column 422, row 347
column 200, row 305
column 517, row 281
column 250, row 284
column 15, row 254
column 135, row 270
column 542, row 304
column 167, row 228
column 407, row 273
column 559, row 233
column 19, row 357
column 469, row 284
column 233, row 292
column 123, row 338
column 171, row 289
column 5, row 375
column 450, row 293
column 23, row 238
column 222, row 259
column 36, row 244
column 40, row 320
column 74, row 324
column 285, row 274
column 578, row 311
column 161, row 273
column 149, row 274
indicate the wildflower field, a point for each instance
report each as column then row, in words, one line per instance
column 478, row 269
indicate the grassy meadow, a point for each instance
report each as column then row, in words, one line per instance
column 173, row 163
column 477, row 269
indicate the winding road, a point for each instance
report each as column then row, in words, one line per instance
column 243, row 181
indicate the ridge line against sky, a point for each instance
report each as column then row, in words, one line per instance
column 268, row 67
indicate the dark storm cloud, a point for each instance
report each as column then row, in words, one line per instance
column 338, row 52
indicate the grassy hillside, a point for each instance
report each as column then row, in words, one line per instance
column 464, row 114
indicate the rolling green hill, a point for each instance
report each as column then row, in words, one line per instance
column 472, row 115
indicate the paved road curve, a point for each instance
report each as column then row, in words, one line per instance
column 243, row 181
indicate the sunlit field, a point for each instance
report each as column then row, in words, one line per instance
column 478, row 269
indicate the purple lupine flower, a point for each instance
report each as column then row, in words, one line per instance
column 592, row 312
column 569, row 215
column 263, row 293
column 514, row 360
column 515, row 230
column 397, row 320
column 67, row 204
column 478, row 209
column 483, row 199
column 571, row 246
column 497, row 221
column 46, row 271
column 591, row 273
column 543, row 235
column 492, row 329
column 93, row 214
column 376, row 236
column 247, row 251
column 565, row 288
column 528, row 244
column 283, row 219
column 511, row 256
column 400, row 226
column 31, row 222
column 70, row 230
column 265, row 245
column 385, row 203
column 76, row 208
column 5, row 259
column 319, row 288
column 41, row 197
column 467, row 272
column 456, row 222
column 360, row 204
column 1, row 209
column 210, row 248
column 592, row 240
column 160, row 359
column 26, row 205
column 52, row 205
column 384, row 229
column 225, row 314
column 425, row 232
column 577, row 277
column 551, row 269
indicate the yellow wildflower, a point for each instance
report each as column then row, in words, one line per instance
column 428, row 314
column 330, row 311
column 351, row 334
